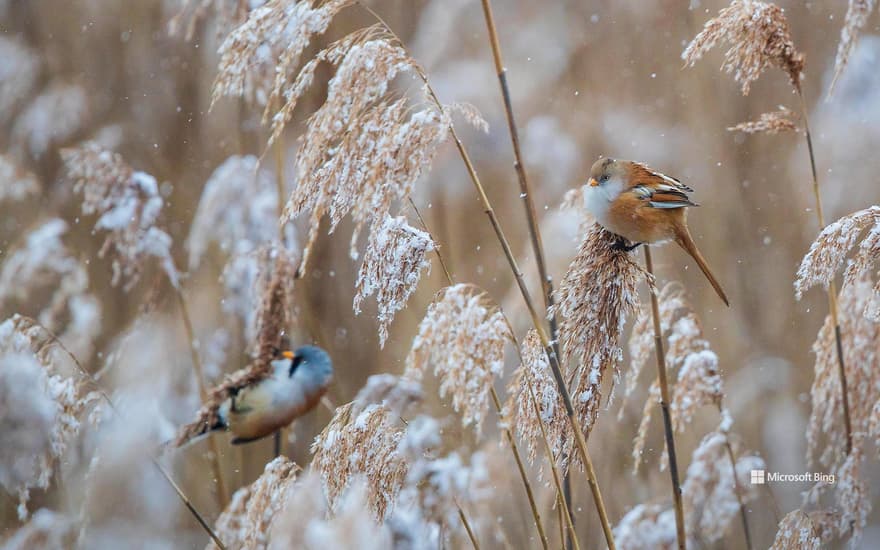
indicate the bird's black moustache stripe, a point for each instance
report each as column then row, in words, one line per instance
column 294, row 364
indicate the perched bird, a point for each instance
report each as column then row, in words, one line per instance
column 643, row 207
column 258, row 400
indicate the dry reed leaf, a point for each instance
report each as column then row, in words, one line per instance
column 395, row 258
column 592, row 302
column 768, row 123
column 796, row 533
column 759, row 38
column 16, row 183
column 128, row 205
column 534, row 375
column 857, row 13
column 462, row 336
column 247, row 518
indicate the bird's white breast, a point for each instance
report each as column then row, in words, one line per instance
column 598, row 199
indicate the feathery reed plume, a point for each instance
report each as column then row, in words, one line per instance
column 18, row 76
column 857, row 13
column 16, row 183
column 236, row 226
column 54, row 117
column 46, row 529
column 392, row 266
column 462, row 336
column 40, row 409
column 646, row 527
column 796, row 532
column 259, row 56
column 44, row 262
column 306, row 521
column 246, row 520
column 768, row 123
column 228, row 14
column 712, row 496
column 596, row 294
column 520, row 411
column 128, row 205
column 853, row 497
column 759, row 38
column 829, row 251
column 273, row 319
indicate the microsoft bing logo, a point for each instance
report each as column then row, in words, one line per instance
column 757, row 477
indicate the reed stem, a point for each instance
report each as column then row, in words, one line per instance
column 738, row 491
column 664, row 405
column 467, row 527
column 832, row 288
column 222, row 495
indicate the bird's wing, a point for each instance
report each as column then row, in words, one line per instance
column 659, row 190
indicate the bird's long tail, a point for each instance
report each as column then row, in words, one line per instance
column 684, row 240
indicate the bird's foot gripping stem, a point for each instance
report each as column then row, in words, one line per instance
column 622, row 245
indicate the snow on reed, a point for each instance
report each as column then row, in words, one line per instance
column 769, row 123
column 857, row 14
column 128, row 205
column 796, row 531
column 759, row 38
column 52, row 118
column 16, row 183
column 18, row 76
column 393, row 263
column 46, row 529
column 462, row 338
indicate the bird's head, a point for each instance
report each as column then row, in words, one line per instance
column 310, row 362
column 607, row 170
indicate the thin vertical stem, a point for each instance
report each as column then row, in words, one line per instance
column 497, row 402
column 664, row 405
column 832, row 288
column 279, row 187
column 467, row 527
column 738, row 491
column 222, row 495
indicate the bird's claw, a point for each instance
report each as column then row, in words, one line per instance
column 621, row 245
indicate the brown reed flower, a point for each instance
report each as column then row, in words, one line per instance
column 247, row 518
column 711, row 494
column 861, row 345
column 857, row 13
column 228, row 14
column 395, row 257
column 593, row 300
column 462, row 336
column 18, row 76
column 519, row 412
column 40, row 409
column 16, row 183
column 796, row 531
column 237, row 226
column 260, row 55
column 759, row 38
column 128, row 205
column 273, row 319
column 44, row 262
column 830, row 249
column 53, row 118
column 768, row 123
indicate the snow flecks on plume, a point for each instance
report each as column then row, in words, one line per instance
column 18, row 75
column 16, row 183
column 127, row 204
column 796, row 531
column 462, row 337
column 534, row 375
column 596, row 295
column 395, row 258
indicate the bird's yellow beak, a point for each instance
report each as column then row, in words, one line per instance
column 287, row 354
column 593, row 182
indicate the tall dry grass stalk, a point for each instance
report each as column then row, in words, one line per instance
column 664, row 405
column 760, row 38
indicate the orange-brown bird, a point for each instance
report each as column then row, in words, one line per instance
column 643, row 207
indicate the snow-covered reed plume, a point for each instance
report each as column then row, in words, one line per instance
column 18, row 76
column 769, row 123
column 462, row 339
column 46, row 529
column 227, row 14
column 52, row 118
column 41, row 406
column 16, row 183
column 127, row 204
column 593, row 300
column 829, row 252
column 520, row 411
column 796, row 530
column 759, row 38
column 246, row 521
column 857, row 14
column 393, row 263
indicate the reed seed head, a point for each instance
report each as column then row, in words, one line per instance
column 769, row 123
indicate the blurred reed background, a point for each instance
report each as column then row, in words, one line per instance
column 588, row 78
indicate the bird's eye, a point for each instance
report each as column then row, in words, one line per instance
column 604, row 178
column 297, row 360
